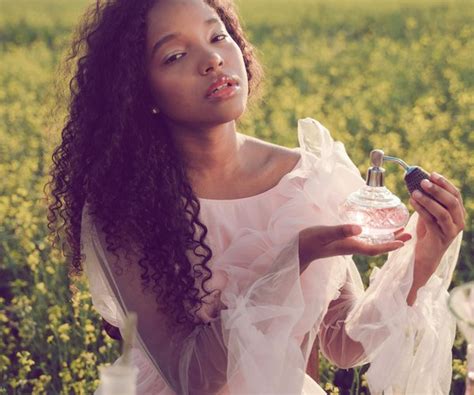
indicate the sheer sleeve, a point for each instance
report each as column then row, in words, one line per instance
column 335, row 344
column 408, row 347
column 190, row 362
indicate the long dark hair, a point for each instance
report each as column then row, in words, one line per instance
column 115, row 155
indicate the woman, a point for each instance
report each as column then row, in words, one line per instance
column 229, row 248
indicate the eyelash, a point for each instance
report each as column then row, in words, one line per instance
column 169, row 61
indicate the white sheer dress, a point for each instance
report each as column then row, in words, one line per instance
column 261, row 343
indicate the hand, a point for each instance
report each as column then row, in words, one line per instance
column 325, row 241
column 437, row 225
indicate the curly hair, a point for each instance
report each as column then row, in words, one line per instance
column 114, row 155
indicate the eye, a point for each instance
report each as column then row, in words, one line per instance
column 221, row 35
column 173, row 58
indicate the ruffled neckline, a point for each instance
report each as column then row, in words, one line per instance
column 264, row 193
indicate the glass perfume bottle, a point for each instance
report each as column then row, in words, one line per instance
column 121, row 379
column 461, row 305
column 377, row 210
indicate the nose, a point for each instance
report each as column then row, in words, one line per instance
column 212, row 62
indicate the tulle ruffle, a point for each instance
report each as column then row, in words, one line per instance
column 412, row 352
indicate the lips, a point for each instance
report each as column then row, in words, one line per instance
column 223, row 80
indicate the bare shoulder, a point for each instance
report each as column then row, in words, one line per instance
column 279, row 159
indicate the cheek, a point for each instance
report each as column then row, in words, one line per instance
column 237, row 54
column 169, row 90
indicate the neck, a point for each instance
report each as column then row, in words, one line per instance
column 208, row 152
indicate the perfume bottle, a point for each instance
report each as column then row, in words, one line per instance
column 121, row 379
column 377, row 210
column 461, row 305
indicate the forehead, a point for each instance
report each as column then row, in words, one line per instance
column 170, row 15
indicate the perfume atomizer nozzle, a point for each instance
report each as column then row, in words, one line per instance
column 413, row 174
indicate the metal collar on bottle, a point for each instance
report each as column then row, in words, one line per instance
column 375, row 177
column 375, row 173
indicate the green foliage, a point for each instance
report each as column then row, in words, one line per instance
column 390, row 75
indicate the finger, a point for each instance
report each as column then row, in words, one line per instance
column 441, row 215
column 329, row 234
column 445, row 183
column 378, row 249
column 430, row 221
column 404, row 237
column 447, row 199
column 398, row 231
column 401, row 235
column 356, row 246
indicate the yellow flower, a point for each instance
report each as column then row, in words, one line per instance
column 331, row 389
column 89, row 357
column 64, row 337
column 50, row 338
column 24, row 360
column 54, row 314
column 63, row 331
column 41, row 287
column 22, row 192
column 64, row 328
column 90, row 338
column 411, row 23
column 89, row 327
column 66, row 376
column 40, row 383
column 50, row 270
column 5, row 363
column 33, row 260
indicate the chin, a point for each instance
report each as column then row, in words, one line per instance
column 231, row 113
column 219, row 115
column 215, row 114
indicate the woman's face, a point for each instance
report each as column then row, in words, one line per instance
column 182, row 68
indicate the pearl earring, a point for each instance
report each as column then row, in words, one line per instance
column 155, row 110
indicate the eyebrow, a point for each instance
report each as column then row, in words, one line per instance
column 172, row 36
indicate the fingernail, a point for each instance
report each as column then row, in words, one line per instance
column 356, row 229
column 426, row 183
column 417, row 194
column 435, row 176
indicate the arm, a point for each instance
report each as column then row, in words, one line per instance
column 401, row 335
column 440, row 221
column 191, row 361
column 335, row 343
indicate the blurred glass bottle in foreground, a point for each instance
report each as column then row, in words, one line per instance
column 121, row 378
column 461, row 305
column 377, row 210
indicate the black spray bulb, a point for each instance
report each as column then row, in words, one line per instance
column 413, row 175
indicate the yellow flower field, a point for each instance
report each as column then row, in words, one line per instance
column 395, row 75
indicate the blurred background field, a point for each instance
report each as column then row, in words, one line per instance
column 378, row 74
